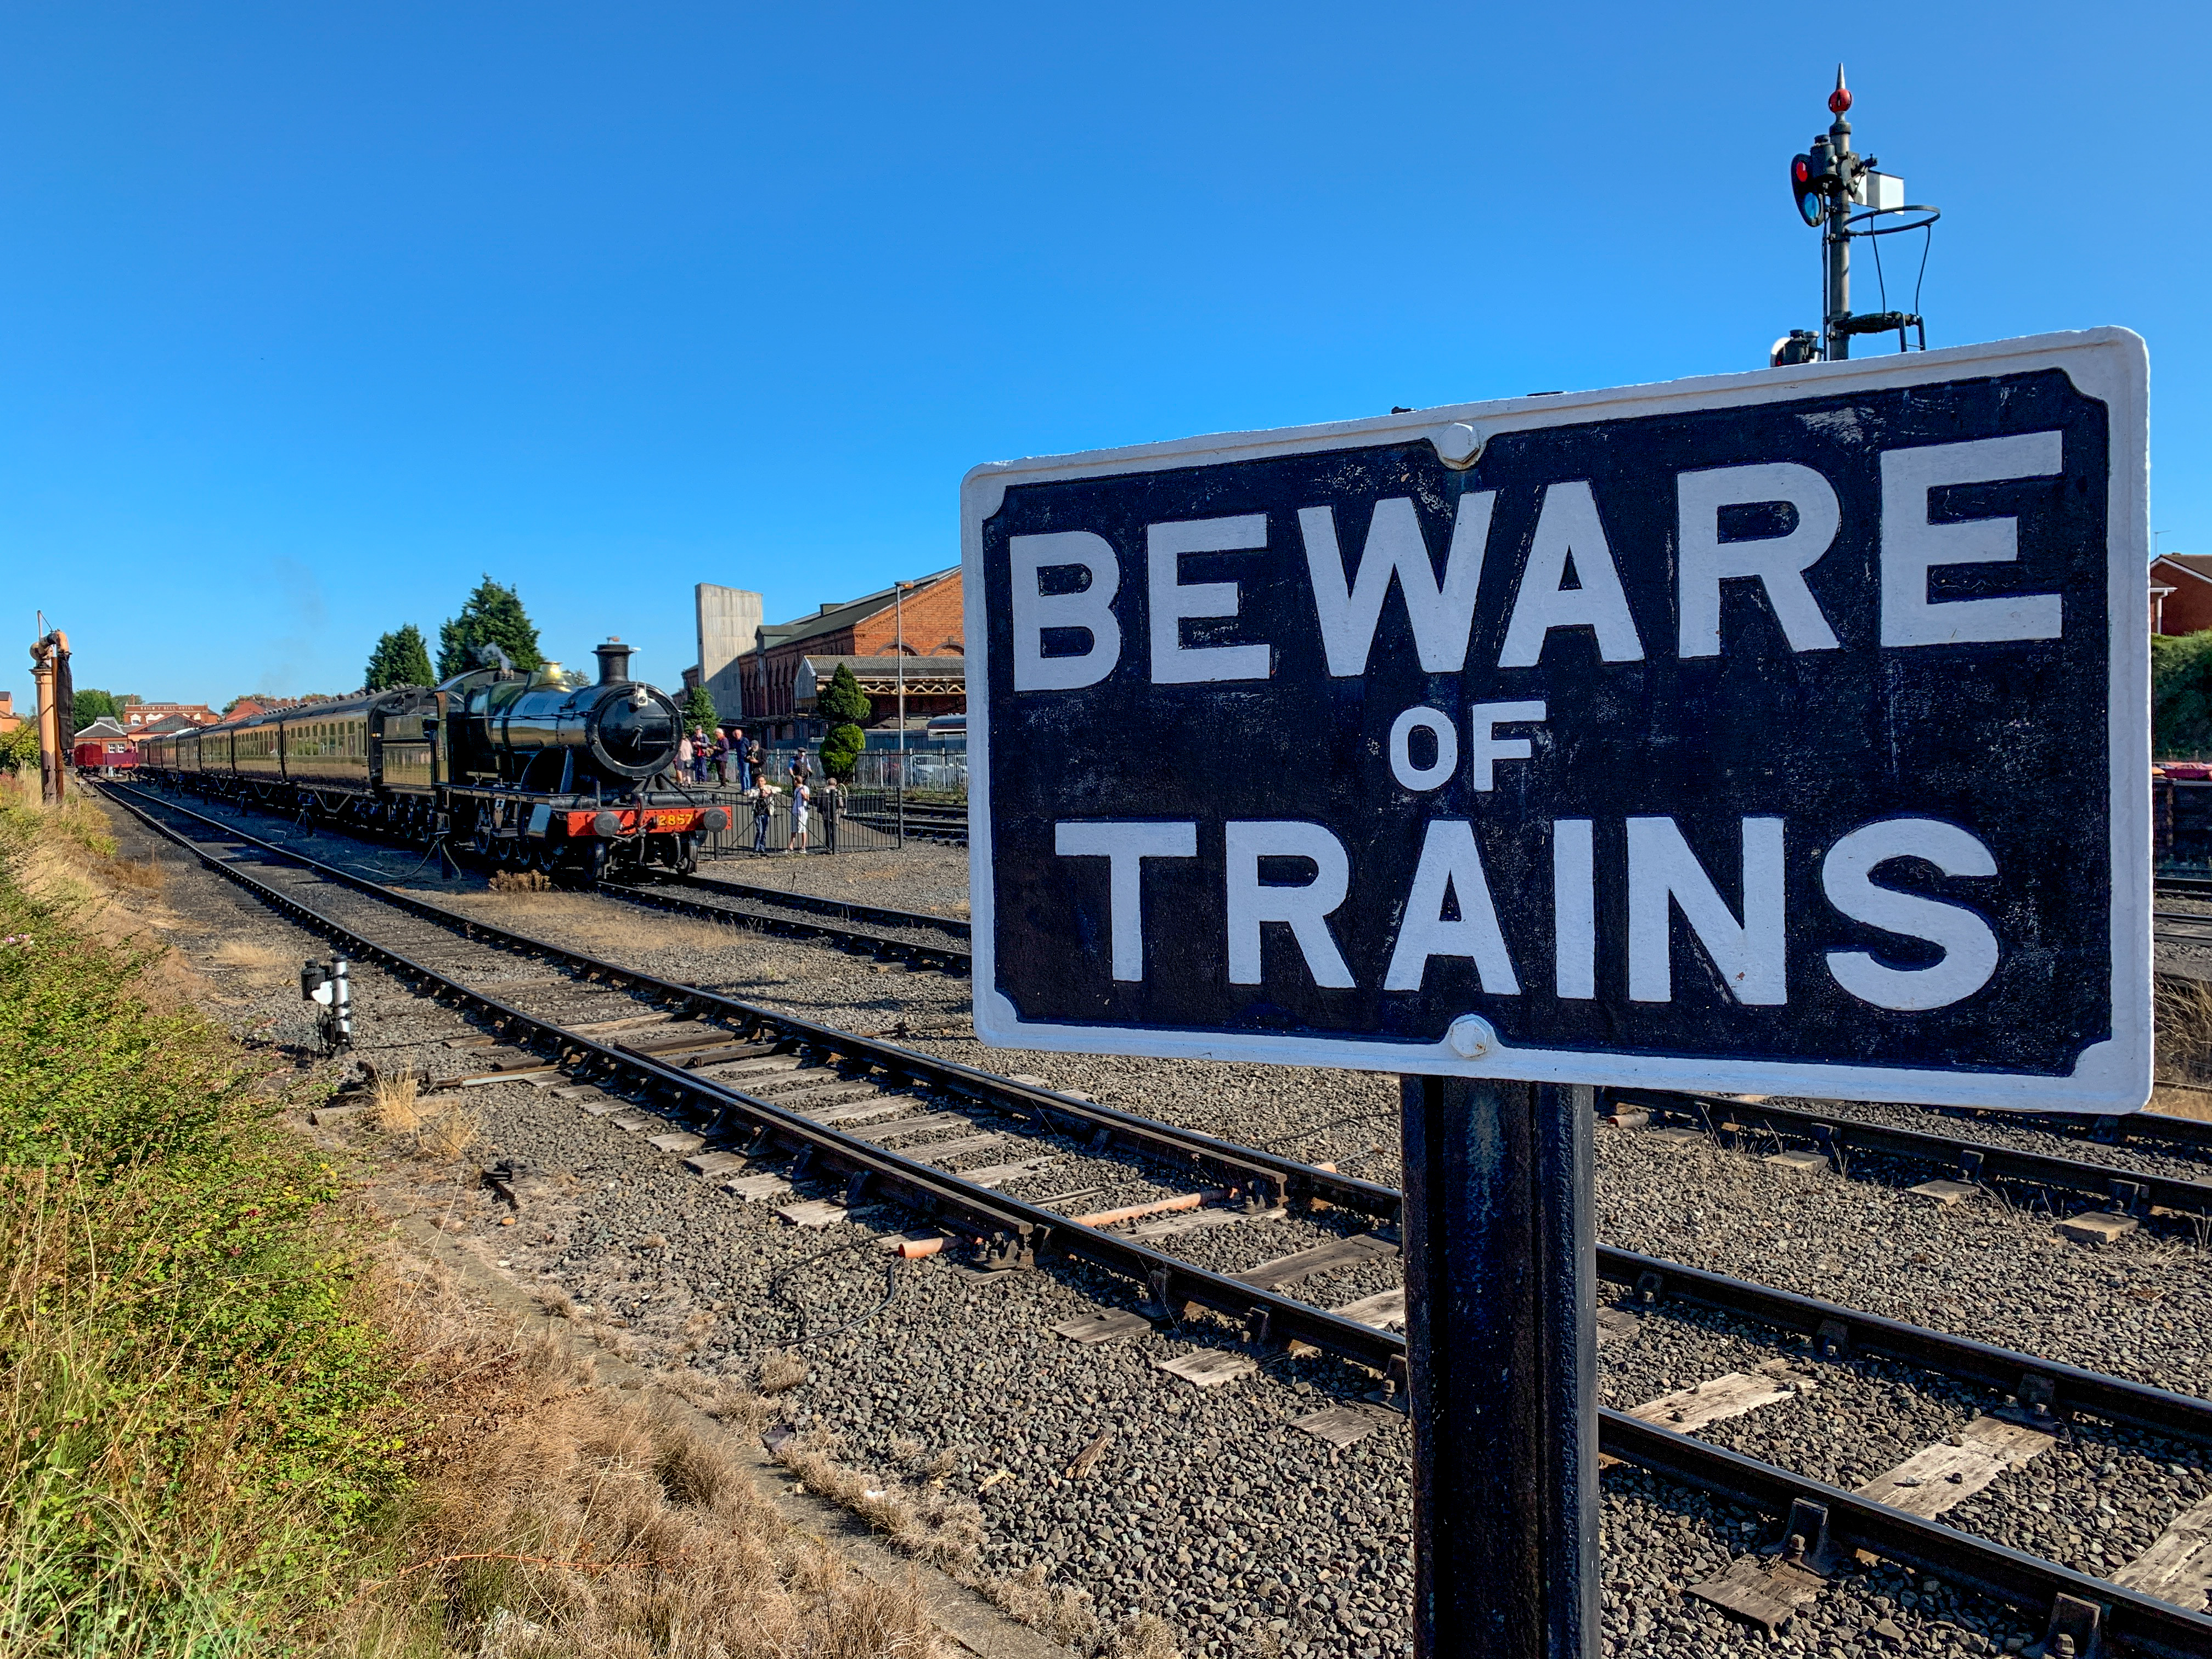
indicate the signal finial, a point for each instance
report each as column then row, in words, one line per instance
column 1840, row 99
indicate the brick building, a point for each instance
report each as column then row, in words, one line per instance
column 138, row 715
column 927, row 612
column 933, row 685
column 2181, row 592
column 9, row 720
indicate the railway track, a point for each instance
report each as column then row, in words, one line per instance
column 740, row 1087
column 928, row 939
column 937, row 824
column 915, row 937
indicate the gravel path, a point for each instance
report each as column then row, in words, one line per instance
column 921, row 876
column 1204, row 1505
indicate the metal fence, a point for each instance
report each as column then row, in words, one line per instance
column 866, row 822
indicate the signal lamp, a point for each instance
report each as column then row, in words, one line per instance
column 1805, row 185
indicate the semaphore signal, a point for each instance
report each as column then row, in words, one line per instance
column 1847, row 196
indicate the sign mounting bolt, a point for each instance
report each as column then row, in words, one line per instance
column 1471, row 1036
column 1457, row 445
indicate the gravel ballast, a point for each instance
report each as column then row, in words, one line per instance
column 1204, row 1504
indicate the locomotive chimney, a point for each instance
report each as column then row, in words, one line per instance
column 614, row 662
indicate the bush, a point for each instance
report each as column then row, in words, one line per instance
column 842, row 701
column 198, row 1411
column 19, row 748
column 840, row 750
column 2181, row 694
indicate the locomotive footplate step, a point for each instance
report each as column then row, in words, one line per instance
column 1095, row 1327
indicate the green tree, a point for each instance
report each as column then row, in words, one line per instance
column 20, row 748
column 90, row 705
column 845, row 705
column 840, row 749
column 842, row 701
column 401, row 658
column 493, row 615
column 2180, row 694
column 699, row 711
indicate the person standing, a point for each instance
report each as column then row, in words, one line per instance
column 763, row 799
column 800, row 794
column 737, row 759
column 684, row 757
column 831, row 800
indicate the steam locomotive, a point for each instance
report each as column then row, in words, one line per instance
column 539, row 771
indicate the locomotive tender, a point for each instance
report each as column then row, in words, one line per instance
column 538, row 771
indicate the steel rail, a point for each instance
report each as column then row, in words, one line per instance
column 1266, row 1178
column 1975, row 1160
column 2062, row 1387
column 2192, row 1133
column 1011, row 1231
column 1019, row 1232
column 878, row 915
column 953, row 958
column 2048, row 1387
column 2127, row 1619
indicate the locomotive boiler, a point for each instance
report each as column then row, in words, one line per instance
column 540, row 769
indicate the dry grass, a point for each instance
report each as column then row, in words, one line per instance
column 520, row 881
column 397, row 1109
column 449, row 1134
column 591, row 924
column 925, row 1521
column 932, row 1523
column 2181, row 1103
column 145, row 877
column 71, row 862
column 780, row 1372
column 257, row 964
column 2185, row 1029
column 553, row 1517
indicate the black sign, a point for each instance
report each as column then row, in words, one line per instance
column 1783, row 731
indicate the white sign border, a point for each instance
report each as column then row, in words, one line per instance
column 2112, row 1077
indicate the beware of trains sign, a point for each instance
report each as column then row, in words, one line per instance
column 1782, row 732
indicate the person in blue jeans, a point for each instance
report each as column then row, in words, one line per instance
column 763, row 794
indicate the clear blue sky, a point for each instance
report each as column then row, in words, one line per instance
column 310, row 315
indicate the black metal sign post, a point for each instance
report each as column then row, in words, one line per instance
column 1776, row 734
column 1501, row 1353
